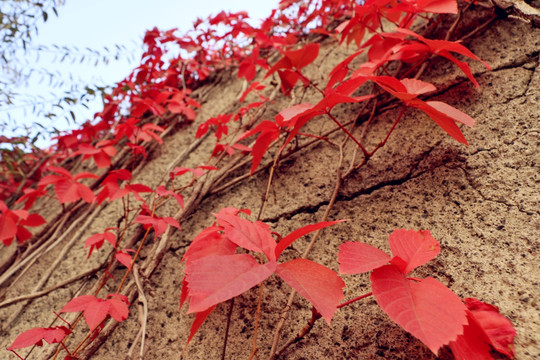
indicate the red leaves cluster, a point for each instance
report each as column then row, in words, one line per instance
column 215, row 273
column 67, row 187
column 425, row 307
column 13, row 224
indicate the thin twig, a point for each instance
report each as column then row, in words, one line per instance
column 51, row 289
column 226, row 338
column 54, row 266
column 316, row 235
column 142, row 298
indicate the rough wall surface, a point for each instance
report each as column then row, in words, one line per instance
column 481, row 202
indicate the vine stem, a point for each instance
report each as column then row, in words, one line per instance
column 354, row 300
column 316, row 235
column 339, row 179
column 315, row 315
column 262, row 210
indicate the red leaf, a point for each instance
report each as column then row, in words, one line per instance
column 269, row 132
column 200, row 317
column 445, row 121
column 321, row 286
column 96, row 241
column 288, row 79
column 33, row 220
column 8, row 229
column 452, row 112
column 437, row 6
column 357, row 258
column 417, row 87
column 124, row 258
column 425, row 308
column 95, row 312
column 160, row 225
column 296, row 234
column 214, row 279
column 415, row 248
column 37, row 335
column 473, row 344
column 497, row 327
column 96, row 309
column 302, row 57
column 118, row 307
column 251, row 236
column 208, row 242
column 285, row 116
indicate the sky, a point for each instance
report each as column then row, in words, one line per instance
column 104, row 23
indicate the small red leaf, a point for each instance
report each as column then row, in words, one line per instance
column 321, row 286
column 124, row 258
column 35, row 336
column 298, row 233
column 200, row 317
column 118, row 307
column 452, row 112
column 251, row 236
column 357, row 258
column 415, row 248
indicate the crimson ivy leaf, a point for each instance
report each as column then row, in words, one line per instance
column 217, row 278
column 96, row 309
column 321, row 286
column 496, row 326
column 357, row 258
column 415, row 248
column 36, row 336
column 298, row 233
column 473, row 344
column 425, row 308
column 251, row 236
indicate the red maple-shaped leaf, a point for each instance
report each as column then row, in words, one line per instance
column 67, row 187
column 321, row 286
column 356, row 258
column 251, row 236
column 424, row 307
column 214, row 279
column 96, row 310
column 36, row 336
column 413, row 247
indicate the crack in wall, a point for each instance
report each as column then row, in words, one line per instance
column 486, row 198
column 412, row 174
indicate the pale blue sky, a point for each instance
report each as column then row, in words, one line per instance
column 99, row 23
